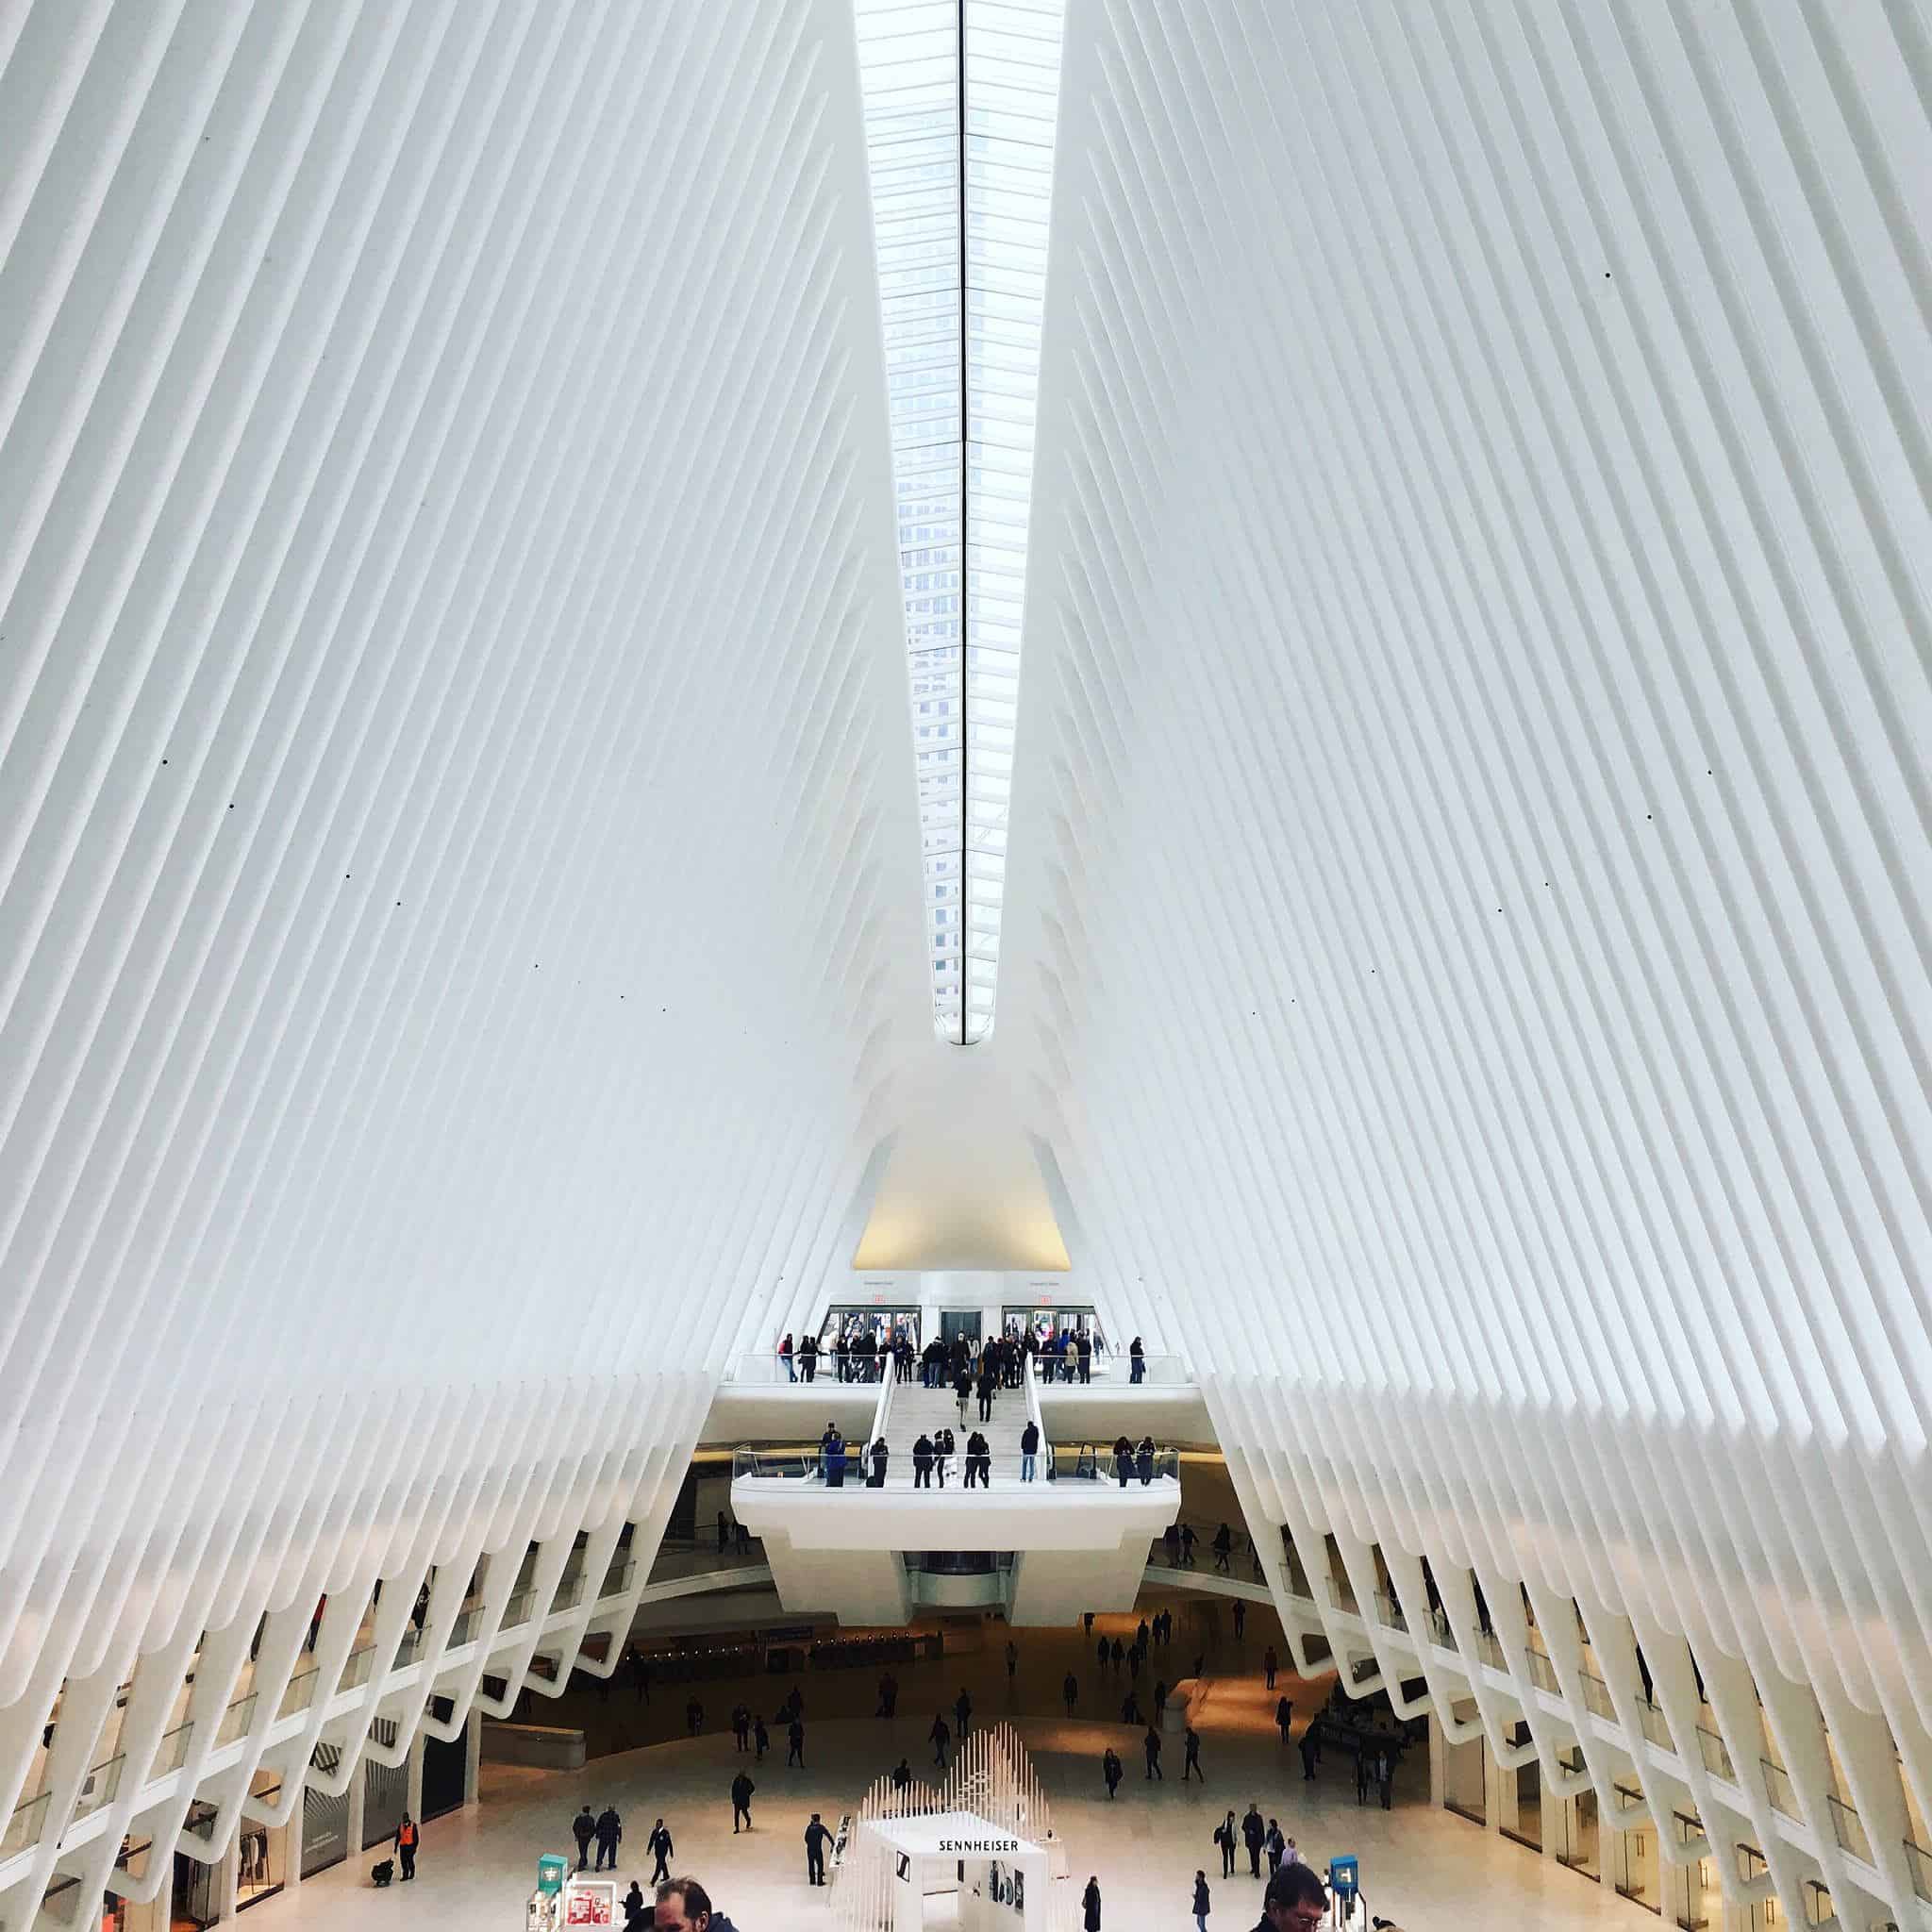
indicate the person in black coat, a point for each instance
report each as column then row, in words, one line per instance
column 1284, row 1716
column 1253, row 1835
column 1200, row 1905
column 795, row 1744
column 1089, row 1906
column 1029, row 1451
column 962, row 1711
column 1112, row 1770
column 1226, row 1837
column 1123, row 1459
column 1192, row 1764
column 658, row 1845
column 609, row 1830
column 1150, row 1745
column 921, row 1462
column 939, row 1737
column 989, row 1387
column 1070, row 1690
column 741, row 1788
column 816, row 1839
column 879, row 1454
column 583, row 1827
column 638, row 1910
column 978, row 1460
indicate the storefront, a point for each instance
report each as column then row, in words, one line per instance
column 445, row 1765
column 261, row 1849
column 385, row 1788
column 882, row 1323
column 1634, row 1858
column 1046, row 1318
column 1465, row 1772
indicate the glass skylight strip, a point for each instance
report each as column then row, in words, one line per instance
column 962, row 507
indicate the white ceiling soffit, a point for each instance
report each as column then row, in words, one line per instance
column 456, row 842
column 963, row 647
column 1469, row 899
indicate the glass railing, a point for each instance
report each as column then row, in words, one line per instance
column 1716, row 1754
column 98, row 1786
column 1543, row 1673
column 517, row 1611
column 1919, row 1861
column 1778, row 1789
column 570, row 1591
column 1849, row 1829
column 617, row 1578
column 1596, row 1696
column 1091, row 1463
column 23, row 1828
column 235, row 1720
column 355, row 1669
column 1389, row 1612
column 465, row 1627
column 171, row 1754
column 1488, row 1647
column 764, row 1368
column 300, row 1693
column 408, row 1649
column 1654, row 1724
column 1113, row 1371
column 1440, row 1629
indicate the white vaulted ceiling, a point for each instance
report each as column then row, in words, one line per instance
column 468, row 951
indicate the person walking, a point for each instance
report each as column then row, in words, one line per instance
column 962, row 1711
column 1253, row 1834
column 921, row 1462
column 1100, row 1653
column 1361, row 1774
column 1150, row 1745
column 1223, row 1546
column 1160, row 1698
column 1284, row 1716
column 741, row 1726
column 583, row 1827
column 741, row 1788
column 408, row 1838
column 609, row 1830
column 1241, row 1617
column 1070, row 1690
column 1274, row 1845
column 962, row 1390
column 1270, row 1664
column 939, row 1737
column 1201, row 1907
column 658, row 1845
column 1030, row 1450
column 902, row 1775
column 1225, row 1836
column 795, row 1743
column 816, row 1839
column 1188, row 1541
column 760, row 1738
column 1191, row 1739
column 1310, row 1756
column 1112, row 1770
column 1385, row 1779
column 989, row 1387
column 1119, row 1655
column 1089, row 1906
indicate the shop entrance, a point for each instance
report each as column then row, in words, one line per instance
column 958, row 1321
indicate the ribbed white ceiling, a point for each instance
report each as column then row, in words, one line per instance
column 1471, row 854
column 462, row 958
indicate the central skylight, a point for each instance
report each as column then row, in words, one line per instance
column 960, row 87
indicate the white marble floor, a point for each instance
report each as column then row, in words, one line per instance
column 1428, row 1869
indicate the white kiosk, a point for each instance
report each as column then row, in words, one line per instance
column 985, row 1837
column 1001, row 1881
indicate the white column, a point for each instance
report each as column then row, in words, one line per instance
column 227, row 1880
column 359, row 1794
column 413, row 1795
column 1439, row 1764
column 473, row 1759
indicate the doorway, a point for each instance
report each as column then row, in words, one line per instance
column 958, row 1322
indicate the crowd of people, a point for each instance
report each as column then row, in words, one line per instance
column 1063, row 1355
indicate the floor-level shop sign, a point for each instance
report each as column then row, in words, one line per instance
column 590, row 1902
